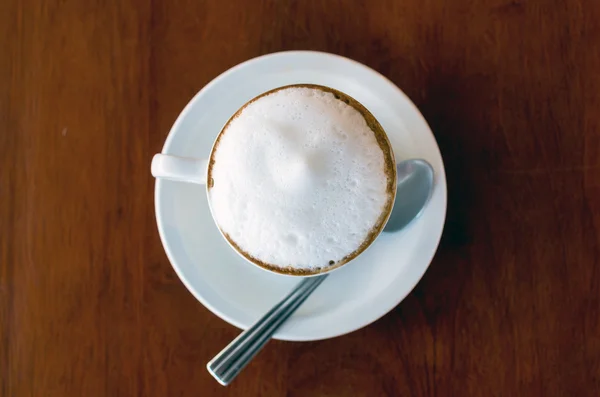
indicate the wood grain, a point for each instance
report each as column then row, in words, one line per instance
column 89, row 304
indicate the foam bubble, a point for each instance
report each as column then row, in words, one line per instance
column 299, row 179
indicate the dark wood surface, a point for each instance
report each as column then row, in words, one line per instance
column 89, row 304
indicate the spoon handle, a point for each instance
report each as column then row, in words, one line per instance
column 231, row 360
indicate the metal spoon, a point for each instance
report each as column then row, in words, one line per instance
column 415, row 184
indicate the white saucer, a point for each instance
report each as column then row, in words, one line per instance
column 355, row 295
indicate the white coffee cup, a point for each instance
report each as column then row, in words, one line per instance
column 190, row 170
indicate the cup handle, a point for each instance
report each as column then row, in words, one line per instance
column 180, row 169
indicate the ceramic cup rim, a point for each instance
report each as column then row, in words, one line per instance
column 375, row 233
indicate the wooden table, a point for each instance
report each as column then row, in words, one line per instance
column 89, row 304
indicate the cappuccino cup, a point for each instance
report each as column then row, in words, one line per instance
column 300, row 181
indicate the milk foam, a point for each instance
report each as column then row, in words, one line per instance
column 299, row 179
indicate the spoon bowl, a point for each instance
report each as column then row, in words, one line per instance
column 415, row 185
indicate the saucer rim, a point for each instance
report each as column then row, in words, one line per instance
column 290, row 336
